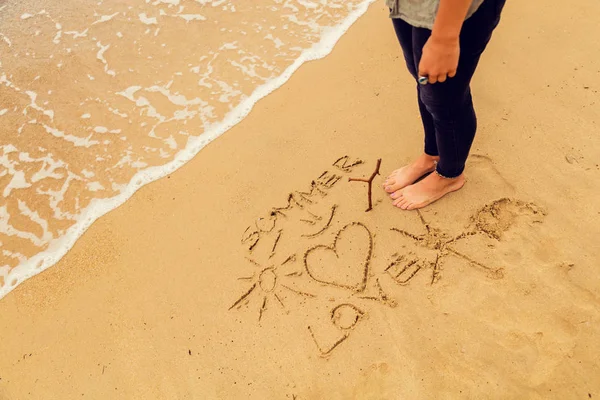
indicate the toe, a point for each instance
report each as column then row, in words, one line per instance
column 417, row 205
column 396, row 195
column 389, row 185
column 400, row 202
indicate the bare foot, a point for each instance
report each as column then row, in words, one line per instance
column 427, row 191
column 408, row 174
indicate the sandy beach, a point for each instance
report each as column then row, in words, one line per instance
column 254, row 271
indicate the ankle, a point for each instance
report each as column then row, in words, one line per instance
column 430, row 157
column 447, row 180
column 428, row 161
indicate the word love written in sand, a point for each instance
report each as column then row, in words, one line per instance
column 304, row 256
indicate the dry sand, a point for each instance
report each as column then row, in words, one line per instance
column 490, row 293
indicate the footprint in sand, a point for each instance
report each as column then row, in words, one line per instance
column 499, row 216
column 483, row 173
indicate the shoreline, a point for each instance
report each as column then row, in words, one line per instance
column 99, row 207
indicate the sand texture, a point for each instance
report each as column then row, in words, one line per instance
column 254, row 272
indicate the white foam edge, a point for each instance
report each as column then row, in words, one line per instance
column 59, row 247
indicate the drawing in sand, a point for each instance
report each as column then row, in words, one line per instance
column 344, row 268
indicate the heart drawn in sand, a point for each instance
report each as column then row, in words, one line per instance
column 345, row 263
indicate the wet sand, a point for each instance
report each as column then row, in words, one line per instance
column 99, row 99
column 255, row 272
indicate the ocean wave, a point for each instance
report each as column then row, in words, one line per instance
column 99, row 101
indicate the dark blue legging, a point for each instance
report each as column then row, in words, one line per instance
column 447, row 108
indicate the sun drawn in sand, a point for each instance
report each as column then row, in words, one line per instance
column 268, row 282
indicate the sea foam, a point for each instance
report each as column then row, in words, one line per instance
column 139, row 100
